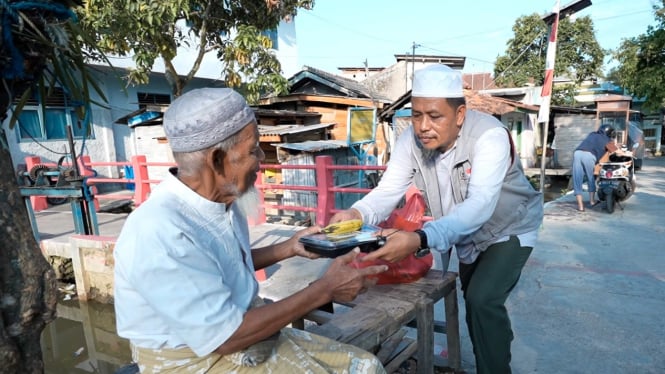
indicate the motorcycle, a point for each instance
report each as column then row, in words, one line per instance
column 616, row 180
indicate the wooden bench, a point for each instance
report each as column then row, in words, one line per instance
column 377, row 320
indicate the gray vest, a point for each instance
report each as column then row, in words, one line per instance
column 520, row 207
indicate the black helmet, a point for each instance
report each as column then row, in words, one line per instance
column 607, row 130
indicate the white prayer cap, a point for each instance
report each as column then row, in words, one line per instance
column 204, row 117
column 437, row 81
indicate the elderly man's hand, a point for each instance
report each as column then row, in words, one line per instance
column 297, row 248
column 345, row 282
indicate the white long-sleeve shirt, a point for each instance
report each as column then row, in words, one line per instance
column 490, row 164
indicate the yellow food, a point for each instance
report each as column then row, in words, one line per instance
column 343, row 227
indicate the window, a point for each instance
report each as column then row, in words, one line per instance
column 49, row 122
column 146, row 99
column 272, row 34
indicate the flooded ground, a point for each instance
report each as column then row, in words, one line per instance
column 556, row 186
column 83, row 338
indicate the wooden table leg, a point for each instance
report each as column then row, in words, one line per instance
column 452, row 329
column 424, row 322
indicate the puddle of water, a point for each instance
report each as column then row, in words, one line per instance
column 555, row 188
column 83, row 340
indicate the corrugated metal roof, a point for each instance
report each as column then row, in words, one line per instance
column 283, row 113
column 290, row 129
column 313, row 145
column 347, row 87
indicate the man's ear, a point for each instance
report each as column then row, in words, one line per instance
column 215, row 159
column 461, row 115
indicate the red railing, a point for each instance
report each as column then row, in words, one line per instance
column 323, row 186
column 141, row 181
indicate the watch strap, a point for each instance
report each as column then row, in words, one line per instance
column 423, row 239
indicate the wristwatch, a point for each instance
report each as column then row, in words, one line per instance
column 424, row 248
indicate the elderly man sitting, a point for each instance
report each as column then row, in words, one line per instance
column 185, row 291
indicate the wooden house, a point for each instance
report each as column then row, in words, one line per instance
column 332, row 97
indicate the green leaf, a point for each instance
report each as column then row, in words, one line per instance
column 18, row 107
column 150, row 30
column 578, row 55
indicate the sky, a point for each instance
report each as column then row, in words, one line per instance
column 346, row 33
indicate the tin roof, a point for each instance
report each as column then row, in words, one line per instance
column 301, row 83
column 283, row 113
column 290, row 129
column 313, row 145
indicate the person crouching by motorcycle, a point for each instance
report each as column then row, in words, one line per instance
column 586, row 155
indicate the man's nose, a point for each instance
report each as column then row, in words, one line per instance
column 424, row 125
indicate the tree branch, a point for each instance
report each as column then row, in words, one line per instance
column 203, row 36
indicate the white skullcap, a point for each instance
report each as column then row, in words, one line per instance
column 204, row 117
column 437, row 81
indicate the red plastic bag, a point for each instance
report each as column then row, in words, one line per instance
column 410, row 268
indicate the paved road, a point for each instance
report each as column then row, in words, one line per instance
column 591, row 298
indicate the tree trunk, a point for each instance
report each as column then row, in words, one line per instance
column 28, row 293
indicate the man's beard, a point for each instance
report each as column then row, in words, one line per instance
column 429, row 155
column 248, row 203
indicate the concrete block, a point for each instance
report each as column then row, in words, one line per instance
column 92, row 259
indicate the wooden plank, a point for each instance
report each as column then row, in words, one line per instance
column 319, row 316
column 389, row 345
column 361, row 326
column 369, row 323
column 395, row 363
column 530, row 172
column 437, row 326
column 270, row 139
column 430, row 286
column 424, row 317
column 452, row 330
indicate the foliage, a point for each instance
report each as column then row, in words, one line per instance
column 641, row 60
column 44, row 49
column 578, row 56
column 232, row 29
column 564, row 94
column 40, row 48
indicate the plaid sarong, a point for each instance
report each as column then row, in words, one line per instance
column 295, row 351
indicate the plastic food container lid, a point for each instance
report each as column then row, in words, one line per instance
column 333, row 245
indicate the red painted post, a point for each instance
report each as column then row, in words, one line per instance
column 38, row 202
column 260, row 275
column 141, row 187
column 86, row 171
column 324, row 182
column 261, row 214
column 259, row 219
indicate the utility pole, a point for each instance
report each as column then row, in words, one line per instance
column 552, row 20
column 413, row 61
column 406, row 73
column 369, row 84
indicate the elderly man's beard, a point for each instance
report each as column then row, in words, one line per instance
column 248, row 203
